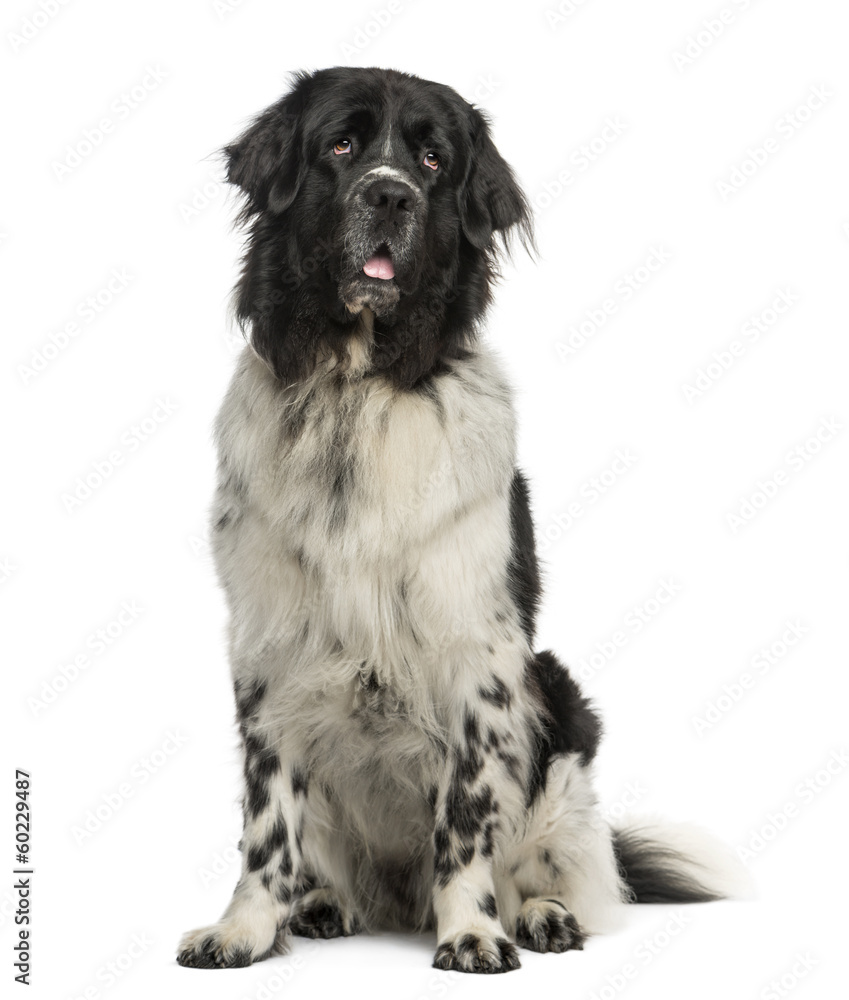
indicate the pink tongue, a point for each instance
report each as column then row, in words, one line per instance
column 379, row 266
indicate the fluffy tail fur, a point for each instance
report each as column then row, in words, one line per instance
column 677, row 863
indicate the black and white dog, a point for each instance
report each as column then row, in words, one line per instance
column 409, row 759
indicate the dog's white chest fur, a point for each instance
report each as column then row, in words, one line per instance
column 375, row 524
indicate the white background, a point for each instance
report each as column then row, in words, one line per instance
column 147, row 200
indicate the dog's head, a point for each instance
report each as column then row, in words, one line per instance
column 373, row 200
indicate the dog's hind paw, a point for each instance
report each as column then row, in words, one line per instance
column 546, row 925
column 320, row 914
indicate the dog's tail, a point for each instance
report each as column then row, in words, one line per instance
column 664, row 862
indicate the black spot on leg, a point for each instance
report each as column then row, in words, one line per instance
column 465, row 811
column 467, row 852
column 468, row 767
column 261, row 764
column 444, row 865
column 249, row 696
column 470, row 729
column 469, row 762
column 260, row 854
column 300, row 781
column 488, row 839
column 487, row 905
column 286, row 867
column 497, row 693
column 512, row 765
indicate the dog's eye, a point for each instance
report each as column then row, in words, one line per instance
column 431, row 160
column 342, row 146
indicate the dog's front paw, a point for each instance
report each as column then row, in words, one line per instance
column 476, row 952
column 320, row 914
column 222, row 946
column 546, row 925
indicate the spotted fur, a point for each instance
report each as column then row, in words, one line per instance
column 410, row 759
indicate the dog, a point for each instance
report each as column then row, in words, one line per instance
column 410, row 760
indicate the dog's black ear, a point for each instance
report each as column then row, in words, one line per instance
column 265, row 161
column 491, row 200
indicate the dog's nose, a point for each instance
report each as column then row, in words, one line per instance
column 391, row 200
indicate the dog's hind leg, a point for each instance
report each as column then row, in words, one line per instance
column 327, row 909
column 561, row 881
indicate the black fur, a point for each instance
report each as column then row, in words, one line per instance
column 571, row 725
column 261, row 765
column 654, row 872
column 524, row 576
column 296, row 188
column 497, row 693
column 567, row 723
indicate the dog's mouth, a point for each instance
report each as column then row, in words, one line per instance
column 375, row 282
column 380, row 265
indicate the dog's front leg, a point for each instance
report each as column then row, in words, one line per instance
column 468, row 820
column 252, row 926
